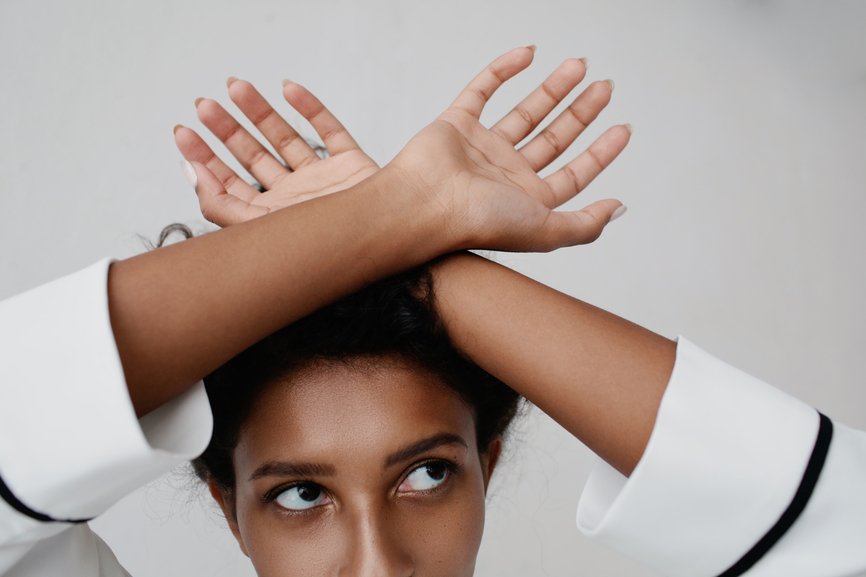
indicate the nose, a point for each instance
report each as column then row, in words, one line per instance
column 375, row 548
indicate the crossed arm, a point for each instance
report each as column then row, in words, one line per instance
column 598, row 375
column 714, row 467
column 179, row 312
column 737, row 476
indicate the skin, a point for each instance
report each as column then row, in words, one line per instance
column 456, row 185
column 300, row 174
column 380, row 510
column 598, row 375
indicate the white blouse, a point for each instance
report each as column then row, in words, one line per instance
column 737, row 478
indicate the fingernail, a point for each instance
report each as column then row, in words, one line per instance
column 531, row 47
column 189, row 172
column 176, row 128
column 287, row 82
column 629, row 127
column 618, row 213
column 229, row 81
column 612, row 85
column 197, row 100
column 585, row 62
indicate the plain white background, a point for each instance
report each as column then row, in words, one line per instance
column 744, row 181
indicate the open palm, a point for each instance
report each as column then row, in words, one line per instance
column 493, row 191
column 302, row 174
column 494, row 182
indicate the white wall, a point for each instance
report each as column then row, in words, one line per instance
column 745, row 183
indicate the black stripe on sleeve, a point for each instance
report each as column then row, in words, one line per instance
column 16, row 504
column 801, row 498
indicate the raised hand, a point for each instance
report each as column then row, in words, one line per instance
column 492, row 191
column 226, row 198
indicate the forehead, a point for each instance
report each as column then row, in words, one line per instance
column 356, row 410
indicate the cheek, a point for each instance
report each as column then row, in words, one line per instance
column 287, row 546
column 445, row 539
column 442, row 535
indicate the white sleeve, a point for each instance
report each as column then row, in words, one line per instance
column 70, row 443
column 738, row 478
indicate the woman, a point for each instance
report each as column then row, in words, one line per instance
column 587, row 360
column 737, row 477
column 357, row 440
column 70, row 445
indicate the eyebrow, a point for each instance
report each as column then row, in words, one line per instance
column 423, row 446
column 288, row 469
column 300, row 469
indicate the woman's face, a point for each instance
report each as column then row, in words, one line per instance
column 360, row 469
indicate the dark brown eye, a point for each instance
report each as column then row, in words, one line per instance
column 302, row 496
column 309, row 492
column 436, row 471
column 426, row 477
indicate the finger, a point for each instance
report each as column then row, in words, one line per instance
column 334, row 135
column 575, row 176
column 476, row 94
column 582, row 226
column 291, row 147
column 523, row 118
column 250, row 153
column 194, row 149
column 548, row 144
column 217, row 205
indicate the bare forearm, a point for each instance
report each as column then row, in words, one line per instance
column 178, row 313
column 181, row 311
column 598, row 375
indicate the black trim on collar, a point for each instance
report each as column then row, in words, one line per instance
column 798, row 503
column 16, row 504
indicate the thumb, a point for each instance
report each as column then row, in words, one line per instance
column 569, row 228
column 216, row 203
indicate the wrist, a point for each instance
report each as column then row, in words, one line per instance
column 452, row 275
column 417, row 212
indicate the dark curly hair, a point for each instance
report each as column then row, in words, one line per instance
column 394, row 317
